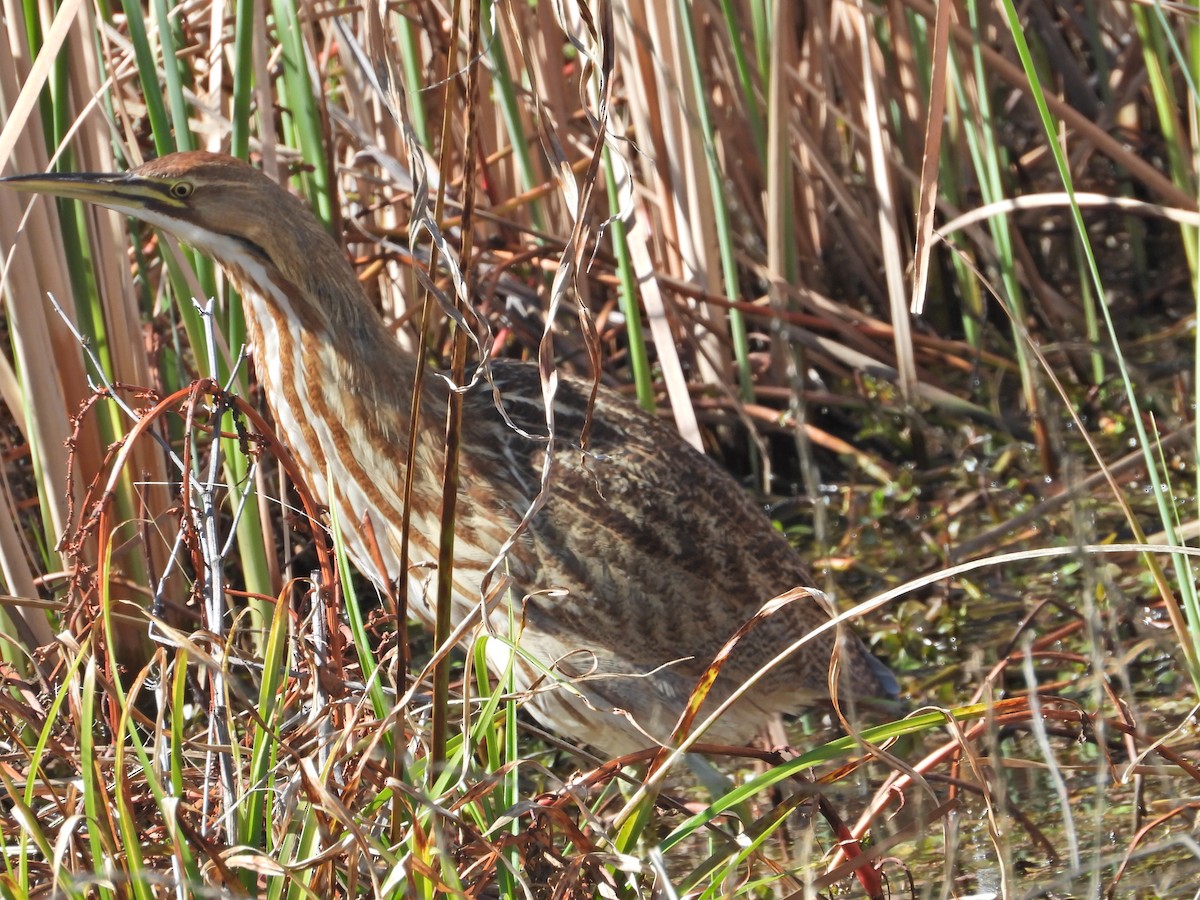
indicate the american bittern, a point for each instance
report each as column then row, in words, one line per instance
column 644, row 561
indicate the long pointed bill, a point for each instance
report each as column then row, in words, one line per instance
column 125, row 193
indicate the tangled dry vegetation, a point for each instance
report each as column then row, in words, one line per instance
column 957, row 357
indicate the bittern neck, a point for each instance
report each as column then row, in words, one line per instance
column 330, row 369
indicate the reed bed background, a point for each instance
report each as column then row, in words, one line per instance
column 926, row 274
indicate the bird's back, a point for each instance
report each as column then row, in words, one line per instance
column 646, row 558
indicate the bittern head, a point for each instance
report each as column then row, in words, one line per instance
column 228, row 210
column 198, row 197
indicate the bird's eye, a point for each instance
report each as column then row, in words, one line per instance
column 182, row 189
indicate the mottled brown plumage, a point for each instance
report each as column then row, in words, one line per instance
column 645, row 559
